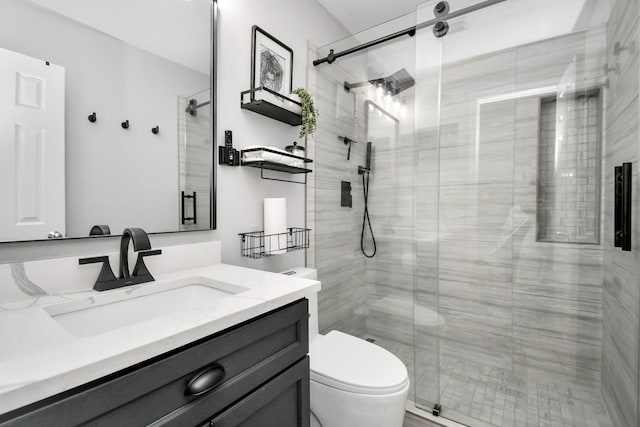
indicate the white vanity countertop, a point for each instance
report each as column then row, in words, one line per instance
column 39, row 358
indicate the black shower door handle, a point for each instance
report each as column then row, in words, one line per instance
column 194, row 217
column 622, row 209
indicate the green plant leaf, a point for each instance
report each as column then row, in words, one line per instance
column 309, row 112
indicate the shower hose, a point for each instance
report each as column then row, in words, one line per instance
column 365, row 219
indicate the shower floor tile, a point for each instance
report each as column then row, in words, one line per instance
column 479, row 395
column 482, row 396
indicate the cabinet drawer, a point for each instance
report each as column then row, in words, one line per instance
column 281, row 402
column 249, row 355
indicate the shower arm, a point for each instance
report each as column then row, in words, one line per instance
column 195, row 107
column 411, row 31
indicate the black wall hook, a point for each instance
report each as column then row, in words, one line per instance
column 125, row 124
column 92, row 117
column 155, row 130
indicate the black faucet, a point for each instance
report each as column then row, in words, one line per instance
column 107, row 280
column 140, row 243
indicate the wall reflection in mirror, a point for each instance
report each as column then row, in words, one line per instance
column 105, row 117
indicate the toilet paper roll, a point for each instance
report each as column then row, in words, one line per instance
column 275, row 221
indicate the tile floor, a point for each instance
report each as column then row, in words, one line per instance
column 481, row 396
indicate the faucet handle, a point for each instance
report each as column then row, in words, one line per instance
column 106, row 276
column 140, row 269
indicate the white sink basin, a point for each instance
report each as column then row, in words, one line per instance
column 123, row 307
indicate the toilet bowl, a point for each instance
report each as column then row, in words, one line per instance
column 354, row 383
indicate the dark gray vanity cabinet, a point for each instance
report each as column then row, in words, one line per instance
column 254, row 374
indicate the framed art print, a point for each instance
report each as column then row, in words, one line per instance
column 271, row 63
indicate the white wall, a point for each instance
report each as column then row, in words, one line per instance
column 240, row 191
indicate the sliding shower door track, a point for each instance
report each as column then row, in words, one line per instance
column 411, row 31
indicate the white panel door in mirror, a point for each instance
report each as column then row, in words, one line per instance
column 32, row 157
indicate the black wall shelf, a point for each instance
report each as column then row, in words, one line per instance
column 276, row 166
column 272, row 104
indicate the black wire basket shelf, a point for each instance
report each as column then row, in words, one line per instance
column 256, row 244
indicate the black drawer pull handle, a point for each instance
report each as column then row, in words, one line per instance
column 204, row 381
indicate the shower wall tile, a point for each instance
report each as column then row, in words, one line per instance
column 624, row 65
column 557, row 288
column 389, row 275
column 470, row 164
column 492, row 74
column 568, row 353
column 543, row 64
column 476, row 175
column 508, row 300
column 427, row 318
column 342, row 301
column 621, row 269
column 622, row 134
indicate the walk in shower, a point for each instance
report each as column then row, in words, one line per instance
column 497, row 278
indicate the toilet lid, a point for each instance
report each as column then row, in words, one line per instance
column 348, row 363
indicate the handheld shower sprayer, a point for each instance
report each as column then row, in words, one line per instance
column 366, row 170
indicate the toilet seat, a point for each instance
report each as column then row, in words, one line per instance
column 354, row 365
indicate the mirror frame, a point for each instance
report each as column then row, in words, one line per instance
column 212, row 94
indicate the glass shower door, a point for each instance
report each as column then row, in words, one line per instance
column 426, row 192
column 370, row 97
column 519, row 269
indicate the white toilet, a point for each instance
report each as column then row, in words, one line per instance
column 354, row 383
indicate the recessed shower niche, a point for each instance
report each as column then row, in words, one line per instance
column 569, row 159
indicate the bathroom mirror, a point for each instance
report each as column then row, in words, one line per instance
column 106, row 114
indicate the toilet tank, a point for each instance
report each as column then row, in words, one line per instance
column 311, row 274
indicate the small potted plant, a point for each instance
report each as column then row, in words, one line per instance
column 309, row 113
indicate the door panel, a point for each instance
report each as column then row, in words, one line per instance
column 32, row 146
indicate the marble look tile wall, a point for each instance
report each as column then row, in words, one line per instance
column 510, row 301
column 341, row 268
column 476, row 181
column 621, row 269
column 390, row 273
column 458, row 258
column 427, row 320
column 557, row 287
